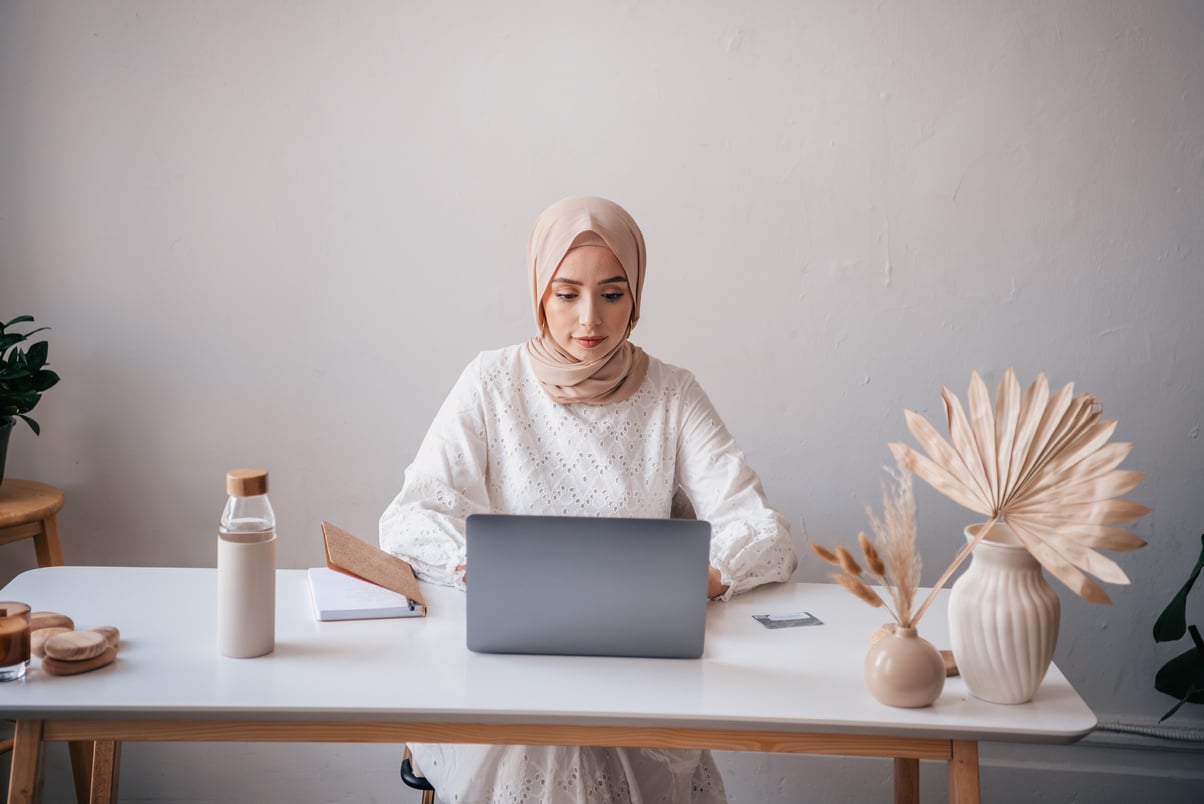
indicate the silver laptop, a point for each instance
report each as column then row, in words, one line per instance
column 586, row 586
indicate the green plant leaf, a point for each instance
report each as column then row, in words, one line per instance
column 26, row 401
column 23, row 372
column 1179, row 705
column 44, row 379
column 1172, row 623
column 37, row 354
column 1183, row 677
column 18, row 337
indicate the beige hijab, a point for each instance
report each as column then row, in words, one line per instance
column 567, row 224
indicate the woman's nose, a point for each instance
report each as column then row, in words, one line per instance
column 589, row 313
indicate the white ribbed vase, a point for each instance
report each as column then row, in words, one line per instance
column 1003, row 619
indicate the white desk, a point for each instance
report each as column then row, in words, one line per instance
column 796, row 690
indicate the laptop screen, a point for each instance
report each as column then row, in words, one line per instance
column 587, row 586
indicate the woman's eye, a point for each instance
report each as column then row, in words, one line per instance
column 614, row 297
column 566, row 296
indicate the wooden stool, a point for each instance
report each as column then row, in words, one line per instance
column 27, row 511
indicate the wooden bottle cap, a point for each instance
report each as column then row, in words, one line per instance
column 246, row 482
column 110, row 633
column 37, row 639
column 75, row 646
column 49, row 619
column 58, row 667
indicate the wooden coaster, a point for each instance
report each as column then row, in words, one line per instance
column 49, row 619
column 37, row 639
column 110, row 633
column 75, row 646
column 58, row 667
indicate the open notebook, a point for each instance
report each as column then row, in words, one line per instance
column 338, row 596
column 361, row 582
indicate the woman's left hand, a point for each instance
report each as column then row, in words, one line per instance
column 715, row 584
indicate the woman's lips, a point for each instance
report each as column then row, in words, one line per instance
column 590, row 343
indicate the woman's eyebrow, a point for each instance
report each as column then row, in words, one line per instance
column 614, row 280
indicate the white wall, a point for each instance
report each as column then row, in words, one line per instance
column 273, row 233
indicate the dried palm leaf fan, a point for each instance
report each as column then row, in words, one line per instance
column 1040, row 464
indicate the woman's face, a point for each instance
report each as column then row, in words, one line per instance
column 588, row 303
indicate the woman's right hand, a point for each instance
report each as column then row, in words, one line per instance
column 715, row 584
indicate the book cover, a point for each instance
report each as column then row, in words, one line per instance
column 338, row 596
column 348, row 553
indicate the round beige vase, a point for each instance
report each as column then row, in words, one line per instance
column 902, row 669
column 1003, row 619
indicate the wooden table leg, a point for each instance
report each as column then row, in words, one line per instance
column 907, row 781
column 81, row 768
column 25, row 781
column 106, row 761
column 963, row 773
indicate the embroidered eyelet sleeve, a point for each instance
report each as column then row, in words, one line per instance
column 446, row 482
column 750, row 541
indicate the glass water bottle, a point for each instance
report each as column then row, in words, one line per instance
column 246, row 568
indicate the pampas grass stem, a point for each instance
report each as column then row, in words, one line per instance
column 895, row 543
column 825, row 554
column 861, row 589
column 848, row 563
column 872, row 559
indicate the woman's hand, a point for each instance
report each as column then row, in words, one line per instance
column 715, row 584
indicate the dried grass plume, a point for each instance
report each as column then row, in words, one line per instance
column 890, row 558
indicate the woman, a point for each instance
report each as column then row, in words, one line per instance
column 580, row 421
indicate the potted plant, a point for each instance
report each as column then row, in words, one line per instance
column 1182, row 677
column 23, row 379
column 1039, row 465
column 901, row 669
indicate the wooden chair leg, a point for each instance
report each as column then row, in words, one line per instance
column 46, row 544
column 413, row 777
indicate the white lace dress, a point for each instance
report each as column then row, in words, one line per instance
column 499, row 444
